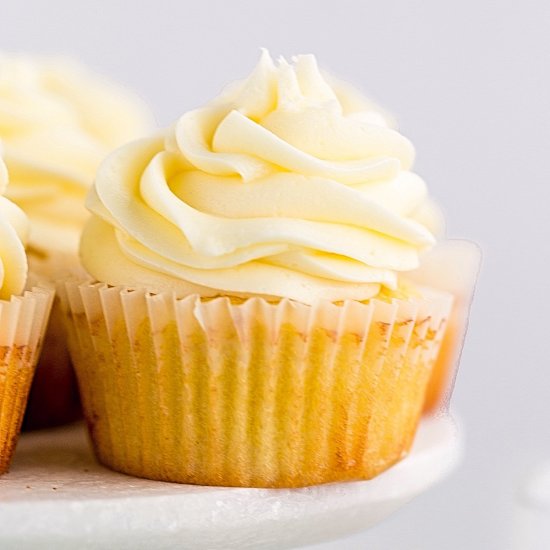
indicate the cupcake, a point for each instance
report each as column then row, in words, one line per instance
column 23, row 320
column 451, row 266
column 244, row 320
column 57, row 122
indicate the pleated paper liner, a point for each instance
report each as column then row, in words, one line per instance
column 23, row 321
column 452, row 266
column 255, row 394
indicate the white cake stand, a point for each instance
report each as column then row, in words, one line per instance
column 57, row 496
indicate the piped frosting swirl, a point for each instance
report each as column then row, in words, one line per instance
column 289, row 184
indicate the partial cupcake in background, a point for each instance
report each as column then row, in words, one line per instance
column 451, row 266
column 23, row 320
column 58, row 121
column 246, row 322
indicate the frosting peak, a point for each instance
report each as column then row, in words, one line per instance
column 289, row 184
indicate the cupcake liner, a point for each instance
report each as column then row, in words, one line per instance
column 452, row 266
column 23, row 321
column 249, row 392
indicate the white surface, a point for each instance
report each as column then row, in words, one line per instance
column 469, row 83
column 57, row 496
column 532, row 514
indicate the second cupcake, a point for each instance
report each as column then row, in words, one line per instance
column 58, row 121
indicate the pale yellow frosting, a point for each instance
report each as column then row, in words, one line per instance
column 289, row 184
column 13, row 232
column 57, row 122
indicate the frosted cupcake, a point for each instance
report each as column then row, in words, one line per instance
column 57, row 122
column 23, row 320
column 246, row 322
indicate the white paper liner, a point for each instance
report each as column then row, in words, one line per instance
column 23, row 321
column 452, row 266
column 219, row 392
column 23, row 318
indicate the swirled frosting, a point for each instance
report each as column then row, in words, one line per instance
column 289, row 184
column 57, row 122
column 13, row 232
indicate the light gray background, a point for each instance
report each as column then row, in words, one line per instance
column 470, row 86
